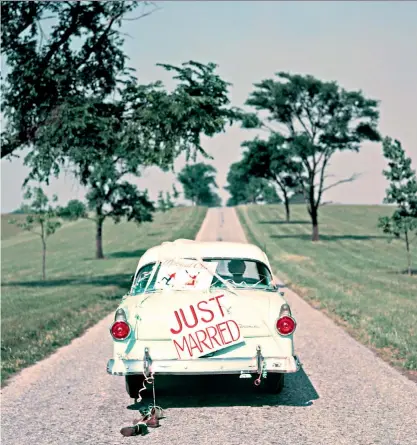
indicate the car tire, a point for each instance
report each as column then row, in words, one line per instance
column 133, row 384
column 274, row 383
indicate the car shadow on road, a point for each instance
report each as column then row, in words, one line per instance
column 229, row 390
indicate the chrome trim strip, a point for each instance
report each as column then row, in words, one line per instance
column 285, row 309
column 247, row 364
column 120, row 315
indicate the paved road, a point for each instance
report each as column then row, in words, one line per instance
column 343, row 394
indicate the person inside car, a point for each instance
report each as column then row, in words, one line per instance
column 237, row 269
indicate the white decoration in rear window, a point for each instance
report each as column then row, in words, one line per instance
column 185, row 275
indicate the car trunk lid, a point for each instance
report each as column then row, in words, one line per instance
column 153, row 315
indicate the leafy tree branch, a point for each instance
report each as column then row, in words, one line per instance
column 46, row 70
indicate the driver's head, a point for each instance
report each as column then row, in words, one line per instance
column 236, row 267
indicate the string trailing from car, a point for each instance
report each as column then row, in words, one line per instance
column 150, row 417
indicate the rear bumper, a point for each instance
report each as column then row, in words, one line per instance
column 209, row 366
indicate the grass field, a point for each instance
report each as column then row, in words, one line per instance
column 10, row 230
column 353, row 273
column 40, row 316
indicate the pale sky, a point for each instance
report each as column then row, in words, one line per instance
column 370, row 46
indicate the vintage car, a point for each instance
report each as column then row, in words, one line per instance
column 203, row 308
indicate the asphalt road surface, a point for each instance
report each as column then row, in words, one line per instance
column 343, row 394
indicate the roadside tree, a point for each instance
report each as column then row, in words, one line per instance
column 402, row 224
column 316, row 119
column 246, row 189
column 165, row 202
column 272, row 160
column 198, row 181
column 73, row 210
column 103, row 142
column 42, row 219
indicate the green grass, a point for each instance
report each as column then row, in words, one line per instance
column 352, row 273
column 10, row 230
column 40, row 316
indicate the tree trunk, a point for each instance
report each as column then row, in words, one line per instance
column 315, row 223
column 99, row 238
column 286, row 200
column 407, row 243
column 43, row 259
column 43, row 239
column 313, row 210
column 287, row 207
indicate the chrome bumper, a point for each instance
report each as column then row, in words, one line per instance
column 209, row 366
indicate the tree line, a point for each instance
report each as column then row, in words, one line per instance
column 80, row 108
column 43, row 217
column 306, row 122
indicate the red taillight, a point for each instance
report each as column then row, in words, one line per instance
column 120, row 330
column 285, row 325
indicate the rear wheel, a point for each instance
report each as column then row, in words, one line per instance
column 274, row 383
column 133, row 384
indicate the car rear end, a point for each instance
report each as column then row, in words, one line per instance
column 143, row 348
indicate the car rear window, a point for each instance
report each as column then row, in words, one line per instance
column 241, row 273
column 142, row 279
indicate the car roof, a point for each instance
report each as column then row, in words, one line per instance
column 203, row 249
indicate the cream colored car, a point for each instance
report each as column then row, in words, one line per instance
column 203, row 308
